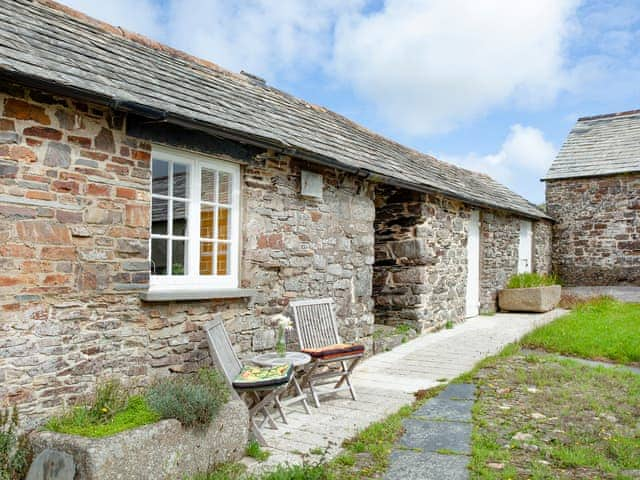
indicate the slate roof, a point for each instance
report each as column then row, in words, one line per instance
column 600, row 145
column 54, row 45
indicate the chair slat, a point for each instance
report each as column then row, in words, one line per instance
column 315, row 322
column 224, row 356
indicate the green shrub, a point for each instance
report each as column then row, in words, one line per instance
column 192, row 399
column 15, row 450
column 528, row 280
column 83, row 420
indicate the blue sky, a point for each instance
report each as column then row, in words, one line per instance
column 494, row 86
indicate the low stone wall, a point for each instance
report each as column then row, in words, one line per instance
column 163, row 450
column 596, row 240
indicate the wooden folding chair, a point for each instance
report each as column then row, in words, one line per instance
column 317, row 330
column 258, row 398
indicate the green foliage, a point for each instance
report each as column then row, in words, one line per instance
column 193, row 399
column 448, row 325
column 15, row 450
column 254, row 450
column 601, row 328
column 529, row 280
column 83, row 421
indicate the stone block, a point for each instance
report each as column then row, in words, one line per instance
column 163, row 450
column 58, row 155
column 537, row 299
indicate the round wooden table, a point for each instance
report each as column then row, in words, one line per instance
column 298, row 360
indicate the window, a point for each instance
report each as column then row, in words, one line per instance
column 194, row 221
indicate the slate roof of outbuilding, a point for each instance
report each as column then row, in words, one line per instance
column 599, row 145
column 53, row 45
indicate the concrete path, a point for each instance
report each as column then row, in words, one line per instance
column 387, row 381
column 624, row 294
column 437, row 441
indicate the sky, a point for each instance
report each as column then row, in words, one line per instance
column 493, row 85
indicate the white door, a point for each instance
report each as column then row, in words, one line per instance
column 526, row 246
column 473, row 265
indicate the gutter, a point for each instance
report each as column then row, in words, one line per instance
column 162, row 115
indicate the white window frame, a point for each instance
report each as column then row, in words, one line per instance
column 193, row 280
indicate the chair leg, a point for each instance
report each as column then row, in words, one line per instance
column 300, row 394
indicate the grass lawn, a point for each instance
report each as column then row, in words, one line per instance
column 541, row 417
column 600, row 329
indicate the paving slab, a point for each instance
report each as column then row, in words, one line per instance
column 431, row 436
column 410, row 465
column 446, row 409
column 459, row 391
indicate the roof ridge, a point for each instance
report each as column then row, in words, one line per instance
column 610, row 115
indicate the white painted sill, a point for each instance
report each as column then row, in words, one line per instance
column 178, row 294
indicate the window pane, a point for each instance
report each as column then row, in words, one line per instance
column 179, row 253
column 158, row 256
column 206, row 258
column 208, row 185
column 224, row 187
column 206, row 221
column 159, row 215
column 224, row 228
column 180, row 215
column 223, row 259
column 181, row 180
column 160, row 174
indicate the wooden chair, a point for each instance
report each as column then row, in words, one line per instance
column 317, row 330
column 258, row 398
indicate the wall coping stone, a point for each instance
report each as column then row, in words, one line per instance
column 174, row 294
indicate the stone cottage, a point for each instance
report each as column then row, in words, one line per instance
column 143, row 190
column 593, row 191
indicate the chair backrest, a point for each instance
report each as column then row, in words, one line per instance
column 224, row 357
column 315, row 322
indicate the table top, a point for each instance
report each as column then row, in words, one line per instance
column 270, row 359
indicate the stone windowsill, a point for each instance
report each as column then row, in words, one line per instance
column 175, row 294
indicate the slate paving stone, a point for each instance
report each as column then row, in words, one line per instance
column 431, row 435
column 459, row 391
column 410, row 465
column 445, row 409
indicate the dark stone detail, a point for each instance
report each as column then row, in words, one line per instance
column 180, row 137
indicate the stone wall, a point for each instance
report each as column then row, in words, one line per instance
column 499, row 241
column 420, row 270
column 74, row 216
column 596, row 240
column 542, row 245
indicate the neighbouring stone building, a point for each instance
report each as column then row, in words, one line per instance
column 143, row 191
column 593, row 192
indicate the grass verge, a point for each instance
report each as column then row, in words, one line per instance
column 603, row 328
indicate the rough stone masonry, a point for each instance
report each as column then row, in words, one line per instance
column 596, row 240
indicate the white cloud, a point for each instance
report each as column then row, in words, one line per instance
column 431, row 65
column 261, row 36
column 524, row 157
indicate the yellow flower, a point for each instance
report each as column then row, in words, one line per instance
column 104, row 409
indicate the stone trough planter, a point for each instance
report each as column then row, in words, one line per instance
column 163, row 450
column 535, row 299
